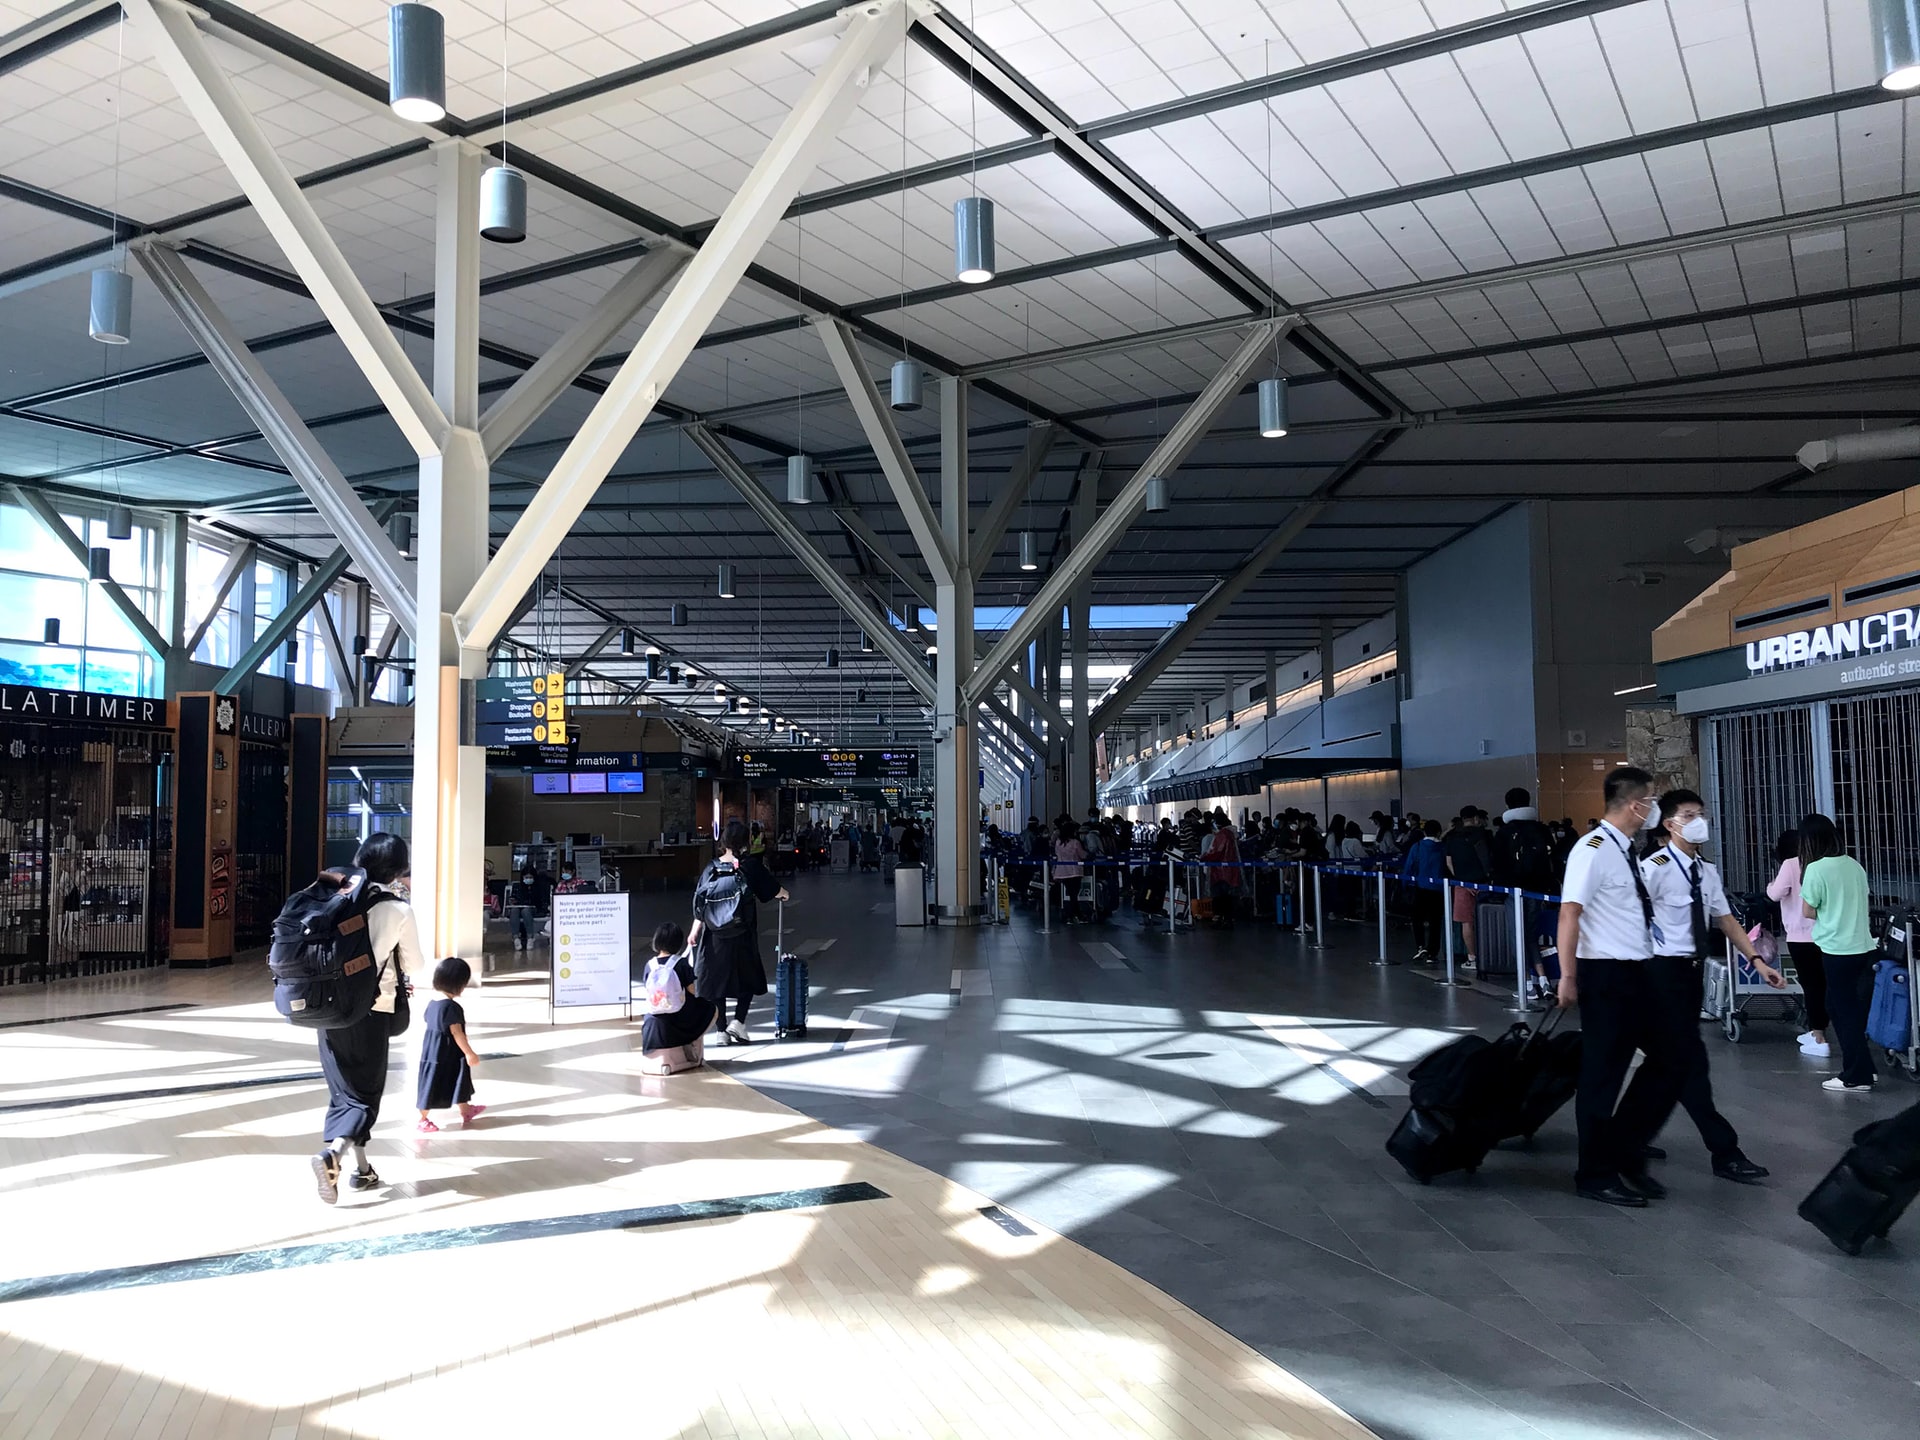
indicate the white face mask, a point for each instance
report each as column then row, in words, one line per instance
column 1653, row 817
column 1696, row 830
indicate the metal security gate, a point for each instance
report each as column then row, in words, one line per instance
column 1761, row 778
column 1876, row 789
column 84, row 817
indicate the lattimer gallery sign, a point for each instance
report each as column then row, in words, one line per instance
column 25, row 702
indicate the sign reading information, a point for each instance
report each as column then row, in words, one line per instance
column 591, row 961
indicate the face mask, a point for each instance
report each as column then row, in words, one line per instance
column 1653, row 817
column 526, row 879
column 1696, row 830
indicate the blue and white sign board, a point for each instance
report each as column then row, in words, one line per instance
column 591, row 945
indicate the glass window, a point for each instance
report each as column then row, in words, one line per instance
column 41, row 580
column 270, row 592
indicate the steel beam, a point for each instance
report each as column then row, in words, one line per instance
column 239, row 560
column 600, row 642
column 216, row 106
column 1025, row 732
column 339, row 663
column 873, row 33
column 314, row 592
column 987, row 534
column 48, row 514
column 1121, row 512
column 319, row 479
column 884, row 436
column 907, row 572
column 1212, row 605
column 508, row 417
column 885, row 640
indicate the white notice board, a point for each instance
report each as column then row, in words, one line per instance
column 590, row 950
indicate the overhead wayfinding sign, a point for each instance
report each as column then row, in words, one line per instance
column 521, row 710
column 830, row 766
column 1893, row 630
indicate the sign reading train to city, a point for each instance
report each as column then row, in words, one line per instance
column 827, row 767
column 1893, row 630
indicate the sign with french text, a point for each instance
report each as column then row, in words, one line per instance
column 591, row 950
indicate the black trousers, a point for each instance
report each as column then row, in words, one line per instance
column 1429, row 931
column 1678, row 986
column 1849, row 997
column 1810, row 968
column 1621, row 1011
column 354, row 1060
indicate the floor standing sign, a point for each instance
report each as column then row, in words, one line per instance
column 590, row 950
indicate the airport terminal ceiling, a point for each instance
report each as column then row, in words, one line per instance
column 1583, row 251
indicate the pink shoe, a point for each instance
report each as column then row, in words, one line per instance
column 427, row 1127
column 470, row 1113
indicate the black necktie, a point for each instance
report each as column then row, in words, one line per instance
column 1697, row 908
column 1639, row 884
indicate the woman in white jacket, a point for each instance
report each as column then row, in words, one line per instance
column 354, row 1057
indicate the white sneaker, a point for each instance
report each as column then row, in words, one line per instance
column 1817, row 1049
column 737, row 1032
column 1837, row 1084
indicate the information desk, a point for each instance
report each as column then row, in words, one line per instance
column 676, row 867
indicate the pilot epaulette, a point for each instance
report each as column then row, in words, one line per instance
column 1663, row 858
column 1594, row 843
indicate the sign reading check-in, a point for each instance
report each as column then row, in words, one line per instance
column 591, row 965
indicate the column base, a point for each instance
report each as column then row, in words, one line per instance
column 964, row 916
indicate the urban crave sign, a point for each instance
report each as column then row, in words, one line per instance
column 1896, row 629
column 25, row 702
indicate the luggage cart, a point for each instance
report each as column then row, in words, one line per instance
column 1732, row 985
column 1897, row 945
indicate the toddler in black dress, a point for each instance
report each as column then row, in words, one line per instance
column 446, row 1056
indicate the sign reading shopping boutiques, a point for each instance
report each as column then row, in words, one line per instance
column 1844, row 639
column 26, row 702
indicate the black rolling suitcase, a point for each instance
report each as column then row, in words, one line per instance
column 1548, row 1075
column 1872, row 1186
column 789, row 985
column 1472, row 1093
column 1493, row 937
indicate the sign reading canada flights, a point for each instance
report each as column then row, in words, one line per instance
column 831, row 766
column 521, row 710
column 591, row 948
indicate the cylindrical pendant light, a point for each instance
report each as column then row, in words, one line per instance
column 906, row 385
column 99, row 563
column 799, row 480
column 400, row 531
column 503, row 205
column 1158, row 497
column 673, row 674
column 833, row 657
column 866, row 643
column 911, row 616
column 733, row 704
column 973, row 239
column 677, row 613
column 417, row 63
column 626, row 642
column 1029, row 551
column 859, row 697
column 726, row 581
column 293, row 652
column 50, row 630
column 1273, row 408
column 110, row 308
column 1896, row 33
column 119, row 523
column 656, row 667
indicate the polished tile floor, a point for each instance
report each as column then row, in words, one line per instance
column 602, row 1254
column 1209, row 1112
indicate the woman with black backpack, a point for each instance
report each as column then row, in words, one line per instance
column 354, row 1057
column 725, row 938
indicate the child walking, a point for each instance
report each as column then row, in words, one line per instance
column 447, row 1057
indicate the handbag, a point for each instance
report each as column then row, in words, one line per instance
column 402, row 1015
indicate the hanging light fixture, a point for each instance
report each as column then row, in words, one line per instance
column 860, row 697
column 677, row 613
column 866, row 643
column 673, row 674
column 417, row 63
column 726, row 581
column 293, row 652
column 119, row 523
column 911, row 619
column 400, row 531
column 99, row 563
column 50, row 630
column 503, row 205
column 626, row 642
column 973, row 258
column 110, row 308
column 906, row 385
column 1896, row 33
column 799, row 480
column 833, row 657
column 1158, row 496
column 733, row 704
column 1273, row 407
column 1029, row 551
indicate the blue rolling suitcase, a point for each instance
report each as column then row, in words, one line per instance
column 789, row 986
column 1890, row 1018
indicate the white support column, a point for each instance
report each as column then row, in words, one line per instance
column 319, row 479
column 449, row 771
column 874, row 31
column 1079, row 640
column 210, row 97
column 956, row 756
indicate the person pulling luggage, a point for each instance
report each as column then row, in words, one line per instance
column 1605, row 941
column 1689, row 903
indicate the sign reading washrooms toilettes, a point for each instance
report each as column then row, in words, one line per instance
column 591, row 964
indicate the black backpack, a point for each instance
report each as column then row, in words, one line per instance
column 1526, row 855
column 324, row 977
column 721, row 899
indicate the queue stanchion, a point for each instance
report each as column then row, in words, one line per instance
column 1446, row 922
column 1300, row 899
column 1046, row 897
column 1171, row 917
column 1380, row 892
column 1319, row 914
column 1520, row 968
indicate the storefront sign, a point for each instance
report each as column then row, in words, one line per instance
column 1894, row 630
column 26, row 702
column 263, row 727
